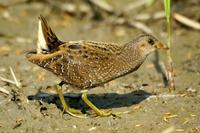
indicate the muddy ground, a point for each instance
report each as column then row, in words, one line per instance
column 142, row 95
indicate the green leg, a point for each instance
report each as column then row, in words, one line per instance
column 96, row 110
column 66, row 108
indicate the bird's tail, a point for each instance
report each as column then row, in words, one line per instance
column 47, row 40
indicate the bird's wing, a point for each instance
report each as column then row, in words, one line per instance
column 94, row 47
column 111, row 48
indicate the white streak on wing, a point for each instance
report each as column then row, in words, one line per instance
column 41, row 43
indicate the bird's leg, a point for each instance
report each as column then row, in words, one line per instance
column 66, row 108
column 96, row 110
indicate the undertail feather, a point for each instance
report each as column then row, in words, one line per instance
column 47, row 40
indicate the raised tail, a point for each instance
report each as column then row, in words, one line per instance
column 47, row 40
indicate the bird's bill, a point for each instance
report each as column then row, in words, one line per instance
column 161, row 46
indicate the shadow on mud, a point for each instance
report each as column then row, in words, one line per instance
column 102, row 101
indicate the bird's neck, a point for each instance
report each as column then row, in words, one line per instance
column 131, row 57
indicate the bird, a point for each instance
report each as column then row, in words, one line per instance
column 87, row 64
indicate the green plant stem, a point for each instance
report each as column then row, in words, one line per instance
column 171, row 83
column 170, row 73
column 169, row 39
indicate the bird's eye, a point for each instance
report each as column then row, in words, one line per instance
column 151, row 41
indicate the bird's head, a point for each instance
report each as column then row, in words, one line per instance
column 147, row 44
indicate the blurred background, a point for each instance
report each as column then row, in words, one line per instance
column 118, row 21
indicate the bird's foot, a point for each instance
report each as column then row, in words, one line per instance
column 74, row 112
column 107, row 113
column 66, row 108
column 98, row 112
